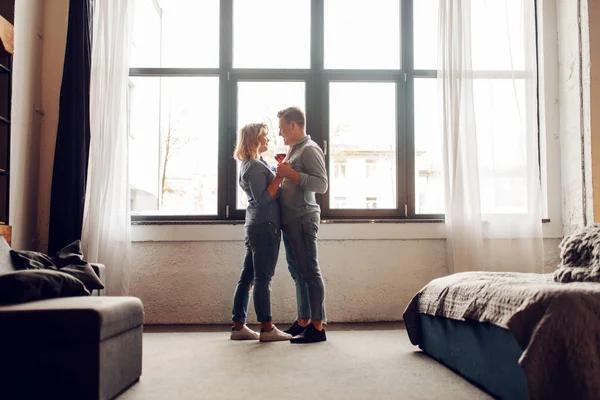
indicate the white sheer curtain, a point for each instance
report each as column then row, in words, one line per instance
column 106, row 222
column 487, row 82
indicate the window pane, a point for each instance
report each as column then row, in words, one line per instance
column 498, row 34
column 502, row 144
column 501, row 141
column 362, row 134
column 425, row 28
column 260, row 102
column 174, row 128
column 362, row 34
column 429, row 183
column 271, row 34
column 176, row 33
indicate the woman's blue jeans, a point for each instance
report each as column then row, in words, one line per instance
column 262, row 250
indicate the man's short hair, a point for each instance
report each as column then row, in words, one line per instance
column 293, row 114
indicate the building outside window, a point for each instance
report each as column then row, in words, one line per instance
column 339, row 170
column 371, row 202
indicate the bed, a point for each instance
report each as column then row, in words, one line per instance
column 514, row 335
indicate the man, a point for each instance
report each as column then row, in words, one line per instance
column 304, row 174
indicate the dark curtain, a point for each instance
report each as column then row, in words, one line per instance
column 73, row 135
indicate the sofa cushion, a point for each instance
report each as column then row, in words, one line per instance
column 68, row 320
column 38, row 284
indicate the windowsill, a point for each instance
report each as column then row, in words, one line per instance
column 348, row 229
column 323, row 221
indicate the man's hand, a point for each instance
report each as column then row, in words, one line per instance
column 284, row 170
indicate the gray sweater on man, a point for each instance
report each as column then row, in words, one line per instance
column 305, row 157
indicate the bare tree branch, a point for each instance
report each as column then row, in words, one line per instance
column 172, row 145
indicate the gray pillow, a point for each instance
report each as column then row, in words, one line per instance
column 70, row 260
column 38, row 284
column 85, row 273
column 24, row 259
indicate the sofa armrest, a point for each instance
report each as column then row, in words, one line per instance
column 99, row 269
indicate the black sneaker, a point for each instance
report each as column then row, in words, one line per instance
column 310, row 335
column 295, row 329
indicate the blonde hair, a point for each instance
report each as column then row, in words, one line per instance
column 247, row 145
column 293, row 114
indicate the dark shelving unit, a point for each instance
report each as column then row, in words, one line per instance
column 6, row 62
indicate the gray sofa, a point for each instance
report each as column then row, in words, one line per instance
column 86, row 347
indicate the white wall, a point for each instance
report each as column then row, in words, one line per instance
column 594, row 98
column 40, row 38
column 366, row 280
column 193, row 282
column 187, row 274
column 26, row 122
column 55, row 34
column 574, row 82
column 549, row 113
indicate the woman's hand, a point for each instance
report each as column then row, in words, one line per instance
column 274, row 186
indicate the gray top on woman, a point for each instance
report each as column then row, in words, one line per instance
column 255, row 176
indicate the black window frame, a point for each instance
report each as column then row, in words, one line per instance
column 317, row 80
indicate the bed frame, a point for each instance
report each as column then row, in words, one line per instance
column 484, row 354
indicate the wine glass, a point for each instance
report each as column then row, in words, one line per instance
column 280, row 151
column 280, row 156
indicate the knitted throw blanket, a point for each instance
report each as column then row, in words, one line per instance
column 580, row 256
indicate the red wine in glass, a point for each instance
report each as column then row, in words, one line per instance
column 280, row 157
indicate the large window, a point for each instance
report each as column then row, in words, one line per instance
column 363, row 71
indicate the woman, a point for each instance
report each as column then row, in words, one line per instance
column 263, row 235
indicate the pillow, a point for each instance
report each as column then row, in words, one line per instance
column 70, row 260
column 31, row 260
column 70, row 254
column 581, row 249
column 580, row 256
column 85, row 273
column 38, row 284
